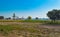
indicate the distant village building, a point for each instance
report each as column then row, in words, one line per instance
column 1, row 17
column 22, row 18
column 9, row 18
column 16, row 17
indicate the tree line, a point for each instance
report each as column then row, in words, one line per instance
column 52, row 15
column 29, row 18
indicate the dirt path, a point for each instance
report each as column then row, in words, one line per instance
column 50, row 26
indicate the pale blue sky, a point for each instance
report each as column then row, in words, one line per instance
column 25, row 8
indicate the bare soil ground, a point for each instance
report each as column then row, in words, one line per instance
column 43, row 30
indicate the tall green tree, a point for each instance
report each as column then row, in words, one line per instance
column 29, row 17
column 1, row 17
column 54, row 14
column 36, row 18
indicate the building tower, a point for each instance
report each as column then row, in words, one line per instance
column 14, row 16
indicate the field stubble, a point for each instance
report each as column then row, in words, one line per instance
column 26, row 29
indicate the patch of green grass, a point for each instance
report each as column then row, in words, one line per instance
column 7, row 28
column 4, row 29
column 52, row 23
column 34, row 21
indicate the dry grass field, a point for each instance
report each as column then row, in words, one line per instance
column 28, row 29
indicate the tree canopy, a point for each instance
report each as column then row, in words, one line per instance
column 1, row 17
column 36, row 18
column 29, row 17
column 54, row 14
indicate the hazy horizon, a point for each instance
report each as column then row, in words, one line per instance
column 25, row 8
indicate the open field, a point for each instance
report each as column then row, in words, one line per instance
column 17, row 28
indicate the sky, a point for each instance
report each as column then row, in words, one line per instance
column 25, row 8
